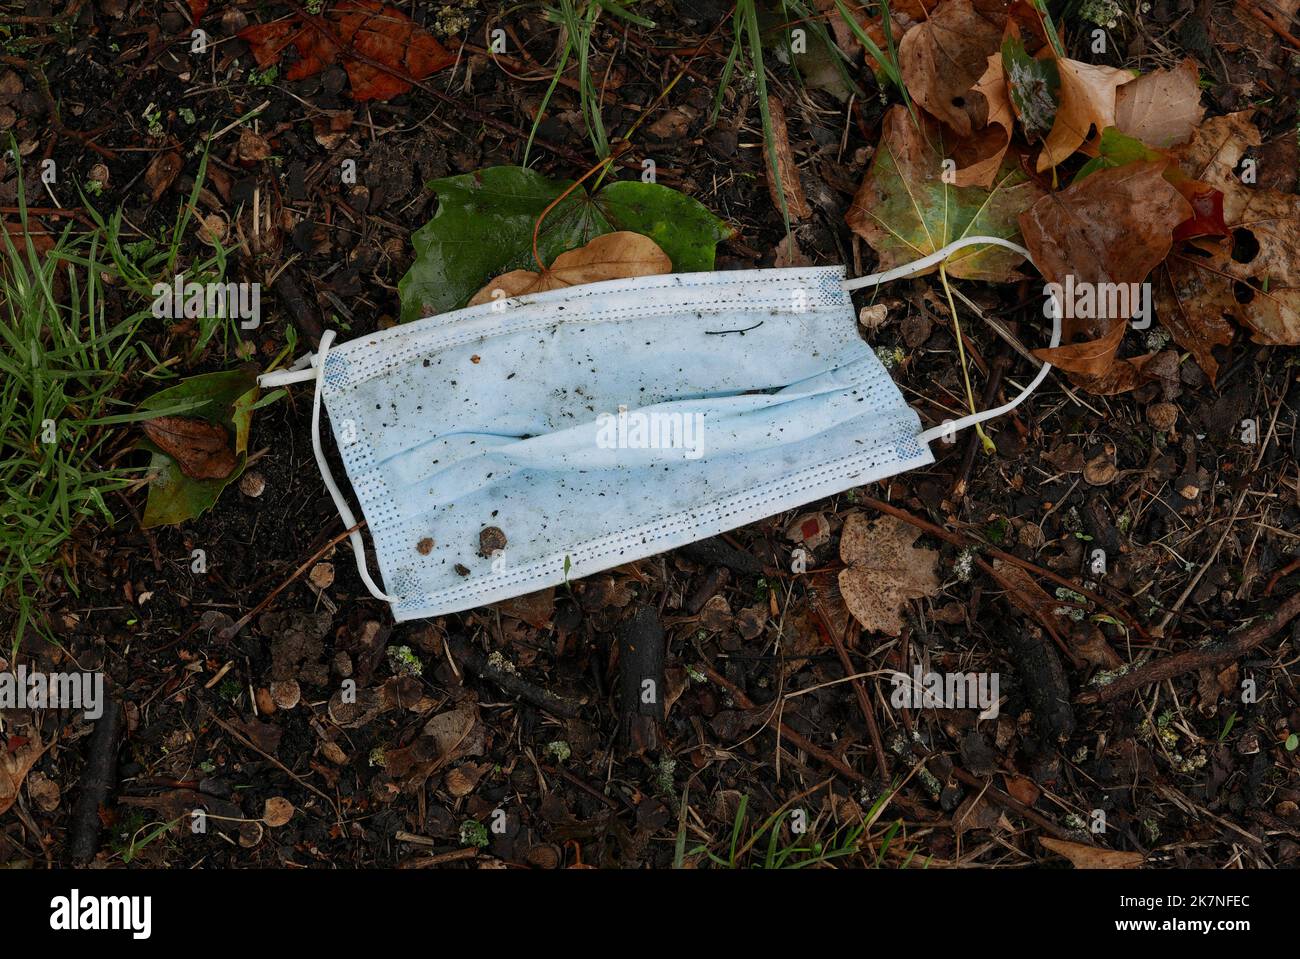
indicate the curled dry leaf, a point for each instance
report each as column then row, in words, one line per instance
column 161, row 173
column 884, row 570
column 1093, row 857
column 796, row 203
column 942, row 58
column 1161, row 108
column 904, row 209
column 17, row 756
column 614, row 256
column 252, row 146
column 904, row 15
column 1090, row 358
column 1087, row 107
column 201, row 449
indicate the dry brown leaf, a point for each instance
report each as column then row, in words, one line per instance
column 1091, row 358
column 277, row 812
column 1193, row 302
column 614, row 256
column 1161, row 108
column 1093, row 857
column 980, row 157
column 17, row 757
column 201, row 449
column 252, row 146
column 884, row 570
column 1114, row 226
column 1023, row 592
column 1254, row 275
column 1088, row 94
column 1022, row 788
column 904, row 15
column 457, row 733
column 942, row 58
column 796, row 203
column 161, row 173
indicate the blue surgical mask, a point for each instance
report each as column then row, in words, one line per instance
column 508, row 447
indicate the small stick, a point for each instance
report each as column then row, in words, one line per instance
column 97, row 780
column 864, row 701
column 231, row 631
column 1215, row 654
column 996, row 369
column 512, row 683
column 744, row 702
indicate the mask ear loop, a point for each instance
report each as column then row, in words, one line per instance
column 934, row 259
column 283, row 377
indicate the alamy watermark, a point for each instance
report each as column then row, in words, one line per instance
column 32, row 689
column 181, row 300
column 1080, row 299
column 931, row 690
column 653, row 430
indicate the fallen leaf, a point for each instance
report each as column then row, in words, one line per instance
column 942, row 59
column 1090, row 358
column 484, row 227
column 884, row 570
column 904, row 209
column 201, row 449
column 277, row 812
column 1087, row 105
column 457, row 733
column 225, row 401
column 1115, row 226
column 1116, row 149
column 787, row 169
column 1023, row 592
column 614, row 256
column 161, row 173
column 15, row 762
column 1033, row 85
column 904, row 15
column 1161, row 108
column 252, row 146
column 1093, row 857
column 536, row 609
column 1022, row 788
column 350, row 30
column 979, row 157
column 1254, row 274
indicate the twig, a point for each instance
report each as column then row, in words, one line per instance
column 1212, row 655
column 958, row 539
column 512, row 683
column 864, row 701
column 231, row 631
column 97, row 780
column 744, row 702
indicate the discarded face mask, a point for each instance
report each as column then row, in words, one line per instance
column 511, row 446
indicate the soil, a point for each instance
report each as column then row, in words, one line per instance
column 505, row 736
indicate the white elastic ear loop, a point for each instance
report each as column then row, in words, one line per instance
column 916, row 266
column 282, row 377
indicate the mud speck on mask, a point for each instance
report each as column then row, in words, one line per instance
column 491, row 540
column 425, row 546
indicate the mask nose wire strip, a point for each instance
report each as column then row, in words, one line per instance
column 282, row 377
column 934, row 259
